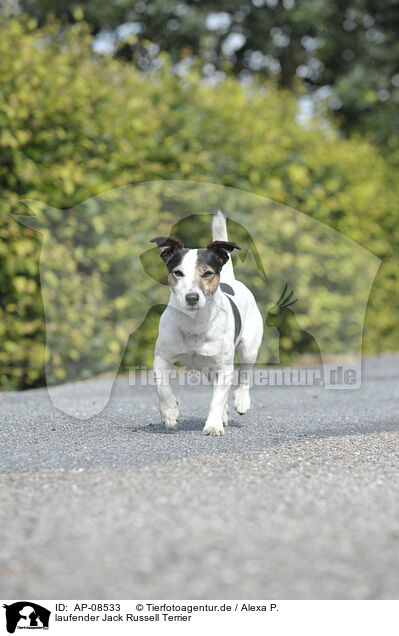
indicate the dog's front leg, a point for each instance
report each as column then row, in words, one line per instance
column 221, row 385
column 167, row 401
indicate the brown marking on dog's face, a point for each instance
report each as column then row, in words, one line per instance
column 206, row 278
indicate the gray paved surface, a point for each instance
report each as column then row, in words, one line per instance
column 300, row 499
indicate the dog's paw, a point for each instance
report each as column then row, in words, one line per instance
column 170, row 415
column 213, row 427
column 242, row 401
column 226, row 415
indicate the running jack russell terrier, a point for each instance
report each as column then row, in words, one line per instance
column 209, row 314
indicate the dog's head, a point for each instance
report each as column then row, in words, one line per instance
column 193, row 274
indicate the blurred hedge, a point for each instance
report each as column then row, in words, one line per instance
column 73, row 124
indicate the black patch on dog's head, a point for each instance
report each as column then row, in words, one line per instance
column 176, row 258
column 219, row 252
column 209, row 257
column 171, row 250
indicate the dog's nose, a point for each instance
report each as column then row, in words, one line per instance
column 192, row 299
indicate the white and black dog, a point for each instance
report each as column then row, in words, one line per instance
column 209, row 314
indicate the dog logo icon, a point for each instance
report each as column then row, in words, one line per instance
column 26, row 615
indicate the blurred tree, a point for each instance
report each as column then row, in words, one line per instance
column 346, row 51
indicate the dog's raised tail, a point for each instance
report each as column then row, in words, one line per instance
column 219, row 228
column 219, row 233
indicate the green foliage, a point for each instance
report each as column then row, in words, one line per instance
column 74, row 124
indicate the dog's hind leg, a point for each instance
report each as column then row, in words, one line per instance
column 248, row 348
column 167, row 402
column 241, row 397
column 226, row 414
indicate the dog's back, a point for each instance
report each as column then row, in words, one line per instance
column 232, row 288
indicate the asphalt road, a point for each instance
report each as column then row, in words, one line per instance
column 300, row 499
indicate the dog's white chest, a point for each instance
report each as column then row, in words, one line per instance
column 205, row 350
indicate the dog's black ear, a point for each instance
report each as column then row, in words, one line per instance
column 223, row 249
column 167, row 246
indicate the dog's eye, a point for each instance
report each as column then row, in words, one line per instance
column 178, row 273
column 207, row 274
